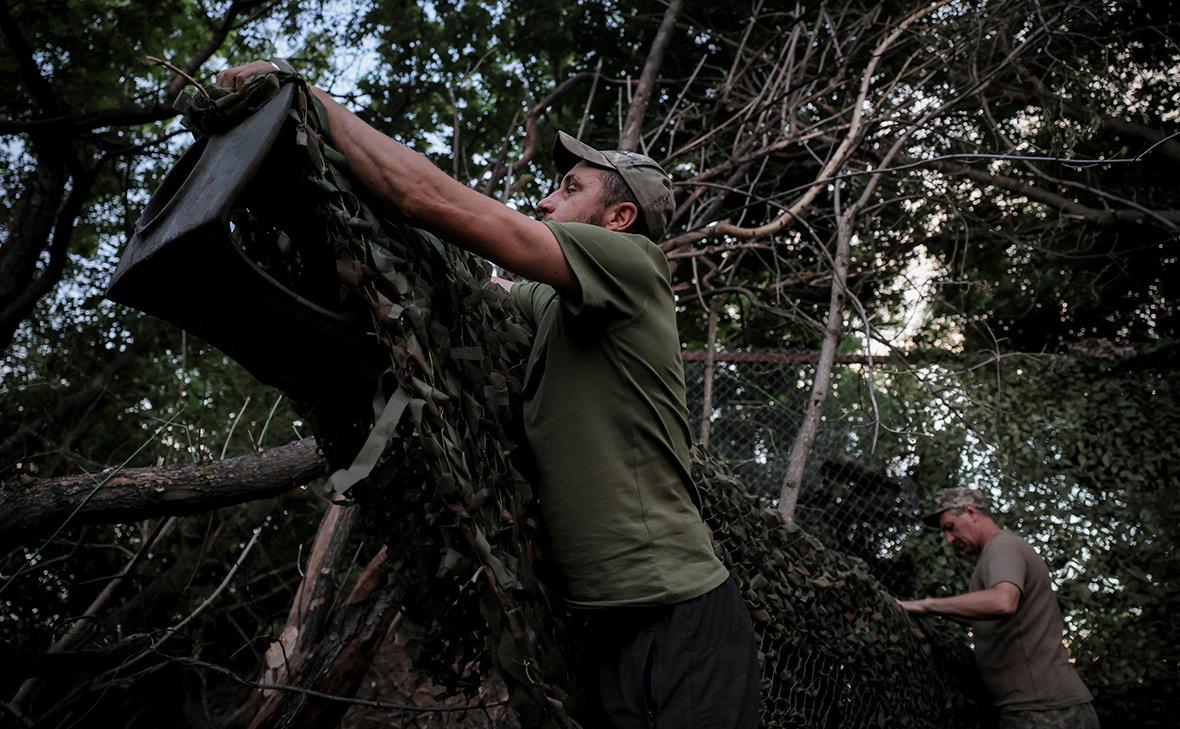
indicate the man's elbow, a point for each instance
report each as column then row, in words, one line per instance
column 1009, row 601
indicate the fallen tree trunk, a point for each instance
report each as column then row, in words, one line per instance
column 33, row 508
column 308, row 618
column 336, row 663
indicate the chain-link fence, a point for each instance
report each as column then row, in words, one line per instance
column 847, row 498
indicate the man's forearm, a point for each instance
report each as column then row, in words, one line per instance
column 430, row 198
column 406, row 180
column 392, row 172
column 400, row 177
column 995, row 602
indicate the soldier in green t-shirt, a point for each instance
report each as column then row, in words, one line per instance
column 671, row 640
column 1014, row 617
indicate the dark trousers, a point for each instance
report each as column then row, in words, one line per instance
column 1079, row 716
column 687, row 665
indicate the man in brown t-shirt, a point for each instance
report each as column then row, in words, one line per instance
column 1014, row 616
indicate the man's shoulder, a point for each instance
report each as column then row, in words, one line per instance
column 1001, row 544
column 1007, row 536
column 586, row 234
column 1008, row 545
column 1007, row 539
column 582, row 230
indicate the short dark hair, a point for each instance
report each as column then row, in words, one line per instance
column 615, row 190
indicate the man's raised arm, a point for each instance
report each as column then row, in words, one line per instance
column 431, row 199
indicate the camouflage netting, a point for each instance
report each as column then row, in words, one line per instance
column 836, row 649
column 437, row 480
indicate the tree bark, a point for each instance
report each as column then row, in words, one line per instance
column 629, row 140
column 310, row 611
column 30, row 230
column 710, row 370
column 801, row 448
column 337, row 661
column 32, row 508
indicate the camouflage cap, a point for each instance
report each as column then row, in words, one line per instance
column 644, row 177
column 951, row 499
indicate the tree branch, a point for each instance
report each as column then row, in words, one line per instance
column 1169, row 219
column 809, row 428
column 39, row 88
column 30, row 509
column 1037, row 91
column 629, row 140
column 214, row 43
column 835, row 162
column 17, row 308
column 116, row 117
column 530, row 130
column 32, row 224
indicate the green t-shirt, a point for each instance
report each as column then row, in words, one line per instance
column 605, row 418
column 1021, row 658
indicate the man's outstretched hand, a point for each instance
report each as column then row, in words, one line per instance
column 235, row 78
column 915, row 607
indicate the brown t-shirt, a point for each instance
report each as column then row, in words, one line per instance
column 1022, row 658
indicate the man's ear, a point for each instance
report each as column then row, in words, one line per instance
column 621, row 216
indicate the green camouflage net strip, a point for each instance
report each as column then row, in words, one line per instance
column 437, row 482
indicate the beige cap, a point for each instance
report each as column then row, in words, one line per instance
column 645, row 178
column 953, row 499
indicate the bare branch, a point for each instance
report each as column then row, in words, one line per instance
column 530, row 125
column 629, row 140
column 835, row 162
column 38, row 86
column 33, row 508
column 347, row 700
column 801, row 447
